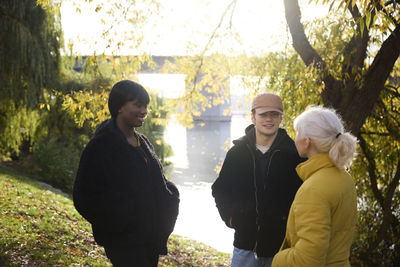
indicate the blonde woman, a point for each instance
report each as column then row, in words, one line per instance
column 322, row 218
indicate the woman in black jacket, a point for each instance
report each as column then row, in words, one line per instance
column 120, row 187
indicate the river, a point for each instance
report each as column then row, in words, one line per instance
column 197, row 154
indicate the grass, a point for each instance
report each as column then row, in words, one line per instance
column 39, row 226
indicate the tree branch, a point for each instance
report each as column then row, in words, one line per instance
column 379, row 7
column 392, row 187
column 356, row 52
column 197, row 75
column 388, row 217
column 331, row 94
column 359, row 42
column 300, row 41
column 371, row 171
column 390, row 126
column 393, row 90
column 384, row 61
column 375, row 133
column 375, row 77
column 384, row 202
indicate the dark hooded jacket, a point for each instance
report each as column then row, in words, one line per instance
column 255, row 191
column 122, row 192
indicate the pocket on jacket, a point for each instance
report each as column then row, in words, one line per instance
column 243, row 220
column 140, row 226
column 169, row 210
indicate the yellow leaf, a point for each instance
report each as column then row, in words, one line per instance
column 383, row 4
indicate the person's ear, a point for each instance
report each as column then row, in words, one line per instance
column 120, row 109
column 253, row 119
column 280, row 118
column 308, row 142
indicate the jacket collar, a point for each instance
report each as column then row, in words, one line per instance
column 313, row 164
column 109, row 126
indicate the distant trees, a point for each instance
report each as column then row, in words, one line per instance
column 30, row 50
column 30, row 37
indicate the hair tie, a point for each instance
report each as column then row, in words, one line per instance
column 338, row 135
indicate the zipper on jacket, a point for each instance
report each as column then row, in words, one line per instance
column 255, row 188
column 255, row 191
column 269, row 165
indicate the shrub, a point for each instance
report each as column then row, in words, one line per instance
column 56, row 161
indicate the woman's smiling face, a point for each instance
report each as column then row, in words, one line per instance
column 133, row 113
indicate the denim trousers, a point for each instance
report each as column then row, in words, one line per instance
column 247, row 258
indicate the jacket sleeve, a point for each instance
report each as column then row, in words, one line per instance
column 168, row 184
column 312, row 217
column 93, row 199
column 168, row 198
column 294, row 182
column 223, row 186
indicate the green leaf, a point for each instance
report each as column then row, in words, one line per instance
column 368, row 20
column 362, row 25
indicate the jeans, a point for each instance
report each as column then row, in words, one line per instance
column 247, row 258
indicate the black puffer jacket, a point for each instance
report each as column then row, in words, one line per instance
column 255, row 191
column 122, row 192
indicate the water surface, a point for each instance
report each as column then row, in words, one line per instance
column 197, row 154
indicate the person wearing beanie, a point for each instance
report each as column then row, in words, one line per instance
column 257, row 184
column 120, row 187
column 323, row 217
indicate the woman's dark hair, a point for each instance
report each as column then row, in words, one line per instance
column 123, row 92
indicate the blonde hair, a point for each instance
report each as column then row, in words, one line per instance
column 325, row 129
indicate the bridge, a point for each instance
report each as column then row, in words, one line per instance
column 172, row 85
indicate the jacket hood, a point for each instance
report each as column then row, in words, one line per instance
column 282, row 140
column 248, row 138
column 103, row 127
column 109, row 126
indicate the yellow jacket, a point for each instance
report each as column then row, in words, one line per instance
column 322, row 218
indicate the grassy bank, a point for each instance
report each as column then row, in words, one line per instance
column 40, row 227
